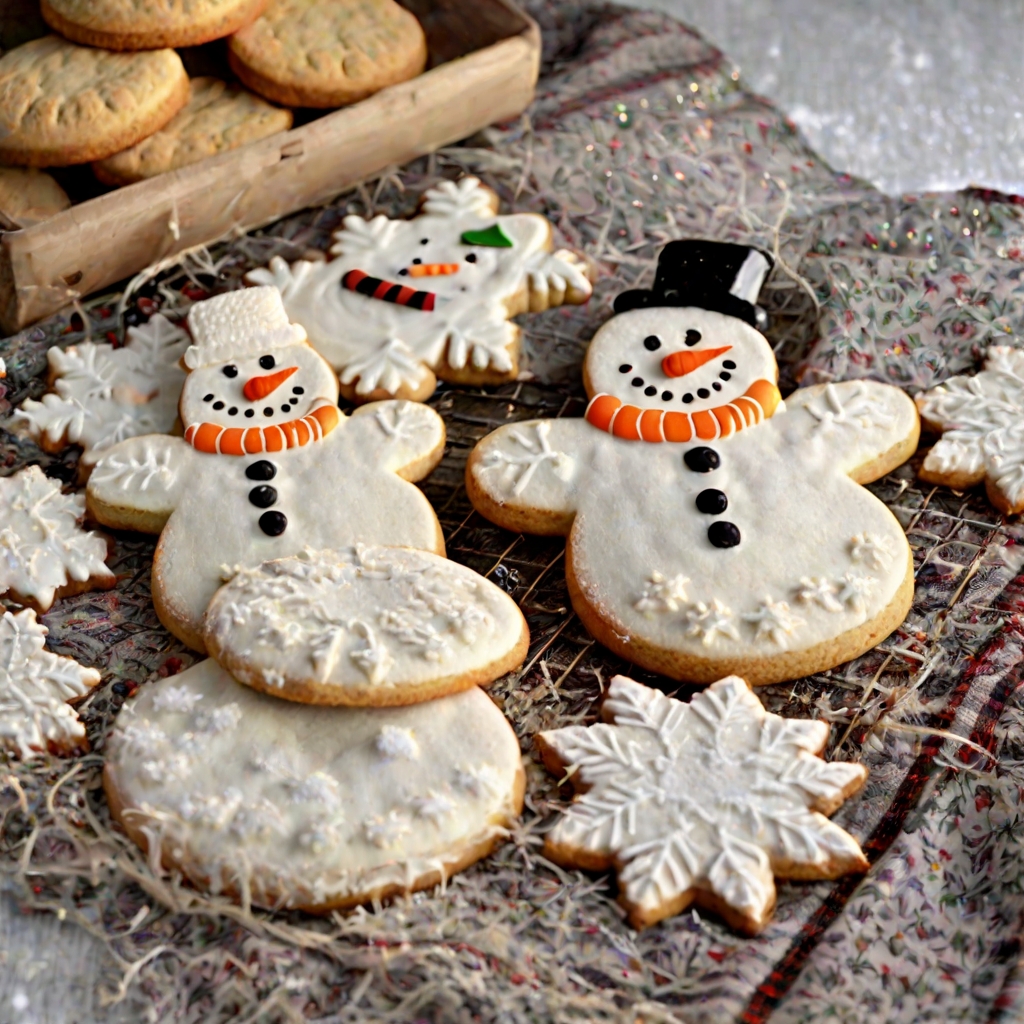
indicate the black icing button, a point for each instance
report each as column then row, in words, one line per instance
column 702, row 460
column 712, row 502
column 261, row 470
column 263, row 496
column 273, row 524
column 722, row 534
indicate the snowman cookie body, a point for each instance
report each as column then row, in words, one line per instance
column 268, row 465
column 406, row 301
column 711, row 528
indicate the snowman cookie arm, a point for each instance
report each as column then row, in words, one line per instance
column 524, row 476
column 404, row 438
column 864, row 428
column 137, row 484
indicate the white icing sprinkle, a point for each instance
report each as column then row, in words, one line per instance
column 385, row 831
column 433, row 806
column 176, row 698
column 396, row 742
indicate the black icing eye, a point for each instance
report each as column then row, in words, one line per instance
column 403, row 272
column 624, row 368
column 417, row 261
column 692, row 337
column 267, row 362
column 471, row 258
column 729, row 364
column 424, row 241
column 652, row 343
column 230, row 370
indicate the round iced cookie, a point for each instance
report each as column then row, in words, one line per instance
column 306, row 53
column 316, row 808
column 28, row 196
column 218, row 117
column 366, row 626
column 148, row 24
column 106, row 101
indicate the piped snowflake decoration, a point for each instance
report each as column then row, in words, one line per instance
column 820, row 591
column 774, row 620
column 35, row 687
column 661, row 594
column 982, row 422
column 710, row 621
column 516, row 470
column 156, row 465
column 874, row 552
column 102, row 395
column 858, row 410
column 391, row 366
column 42, row 547
column 698, row 799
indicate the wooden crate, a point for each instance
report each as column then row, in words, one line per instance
column 485, row 57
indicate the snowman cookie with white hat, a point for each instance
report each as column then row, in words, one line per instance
column 268, row 465
column 712, row 529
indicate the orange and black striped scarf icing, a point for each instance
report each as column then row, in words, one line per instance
column 377, row 288
column 218, row 440
column 632, row 423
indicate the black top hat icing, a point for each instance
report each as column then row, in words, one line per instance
column 719, row 276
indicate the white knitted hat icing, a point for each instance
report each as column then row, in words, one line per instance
column 239, row 324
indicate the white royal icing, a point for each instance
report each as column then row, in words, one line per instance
column 308, row 805
column 707, row 795
column 42, row 546
column 35, row 687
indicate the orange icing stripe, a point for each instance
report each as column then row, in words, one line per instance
column 723, row 414
column 214, row 439
column 253, row 441
column 650, row 425
column 625, row 423
column 705, row 425
column 677, row 426
column 231, row 442
column 766, row 395
column 601, row 410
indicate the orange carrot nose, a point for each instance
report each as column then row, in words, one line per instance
column 259, row 387
column 433, row 269
column 678, row 364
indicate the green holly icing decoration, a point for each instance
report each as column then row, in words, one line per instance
column 493, row 237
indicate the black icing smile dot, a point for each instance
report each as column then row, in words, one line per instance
column 692, row 337
column 263, row 496
column 230, row 370
column 667, row 396
column 286, row 408
column 293, row 401
column 725, row 375
column 273, row 524
column 652, row 343
column 724, row 535
column 298, row 390
column 650, row 390
column 208, row 398
column 702, row 459
column 687, row 398
column 403, row 272
column 262, row 470
column 268, row 411
column 250, row 413
column 712, row 502
column 637, row 382
column 233, row 411
column 729, row 364
column 624, row 368
column 424, row 241
column 218, row 405
column 716, row 385
column 703, row 393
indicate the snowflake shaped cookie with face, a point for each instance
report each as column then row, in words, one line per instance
column 981, row 419
column 704, row 802
column 35, row 687
column 712, row 528
column 102, row 395
column 406, row 301
column 268, row 464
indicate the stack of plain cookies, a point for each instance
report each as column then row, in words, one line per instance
column 108, row 87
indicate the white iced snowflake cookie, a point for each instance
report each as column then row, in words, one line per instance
column 406, row 301
column 44, row 552
column 310, row 807
column 702, row 802
column 981, row 420
column 102, row 395
column 268, row 465
column 368, row 626
column 35, row 688
column 712, row 529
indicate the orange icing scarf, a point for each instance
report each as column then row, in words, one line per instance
column 635, row 424
column 218, row 440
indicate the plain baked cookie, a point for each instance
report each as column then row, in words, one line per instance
column 148, row 24
column 64, row 104
column 310, row 807
column 28, row 196
column 328, row 53
column 712, row 529
column 714, row 798
column 217, row 117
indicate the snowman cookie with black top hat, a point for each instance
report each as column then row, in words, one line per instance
column 268, row 465
column 712, row 528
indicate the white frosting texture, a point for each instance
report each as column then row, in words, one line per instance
column 310, row 806
column 715, row 794
column 35, row 687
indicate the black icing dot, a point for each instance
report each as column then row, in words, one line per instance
column 712, row 502
column 233, row 411
column 298, row 390
column 268, row 362
column 650, row 390
column 687, row 398
column 703, row 393
column 250, row 413
column 716, row 385
column 218, row 405
column 273, row 524
column 652, row 343
column 230, row 370
column 725, row 375
column 667, row 396
column 702, row 459
column 423, row 241
column 208, row 398
column 262, row 470
column 263, row 496
column 724, row 535
column 692, row 337
column 624, row 368
column 729, row 364
column 417, row 261
column 293, row 401
column 286, row 408
column 403, row 272
column 471, row 258
column 268, row 411
column 637, row 382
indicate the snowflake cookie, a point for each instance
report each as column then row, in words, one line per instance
column 703, row 802
column 35, row 687
column 365, row 626
column 711, row 527
column 44, row 552
column 981, row 419
column 102, row 395
column 406, row 301
column 310, row 807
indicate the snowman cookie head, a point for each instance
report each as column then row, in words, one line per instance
column 254, row 381
column 684, row 359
